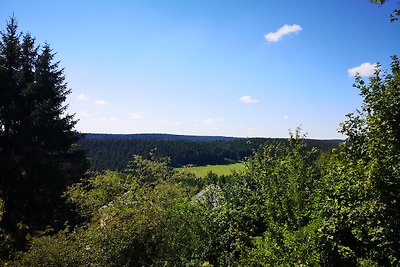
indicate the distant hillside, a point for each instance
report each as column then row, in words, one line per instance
column 159, row 137
column 113, row 151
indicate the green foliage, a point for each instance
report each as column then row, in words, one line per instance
column 149, row 171
column 132, row 219
column 6, row 242
column 286, row 182
column 396, row 13
column 360, row 190
column 90, row 195
column 262, row 216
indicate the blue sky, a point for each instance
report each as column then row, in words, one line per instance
column 234, row 68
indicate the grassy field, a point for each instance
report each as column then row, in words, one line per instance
column 202, row 171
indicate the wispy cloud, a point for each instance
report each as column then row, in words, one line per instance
column 246, row 99
column 109, row 119
column 170, row 123
column 136, row 115
column 101, row 102
column 84, row 114
column 282, row 31
column 285, row 117
column 212, row 121
column 364, row 70
column 83, row 97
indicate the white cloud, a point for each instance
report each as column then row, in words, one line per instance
column 84, row 114
column 212, row 121
column 101, row 102
column 170, row 123
column 364, row 70
column 284, row 30
column 246, row 99
column 83, row 97
column 285, row 117
column 109, row 119
column 136, row 115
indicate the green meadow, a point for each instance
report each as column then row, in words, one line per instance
column 202, row 171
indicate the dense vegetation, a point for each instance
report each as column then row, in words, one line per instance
column 112, row 152
column 289, row 207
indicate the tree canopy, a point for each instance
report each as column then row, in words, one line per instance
column 396, row 13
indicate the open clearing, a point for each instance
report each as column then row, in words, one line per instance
column 202, row 171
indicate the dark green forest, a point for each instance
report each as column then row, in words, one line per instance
column 113, row 152
column 292, row 206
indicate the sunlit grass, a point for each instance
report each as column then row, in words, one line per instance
column 202, row 171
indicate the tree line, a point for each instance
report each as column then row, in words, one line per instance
column 109, row 152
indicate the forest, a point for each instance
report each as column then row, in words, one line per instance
column 113, row 152
column 293, row 205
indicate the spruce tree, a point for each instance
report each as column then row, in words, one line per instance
column 38, row 155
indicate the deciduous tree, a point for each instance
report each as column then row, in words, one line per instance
column 360, row 193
